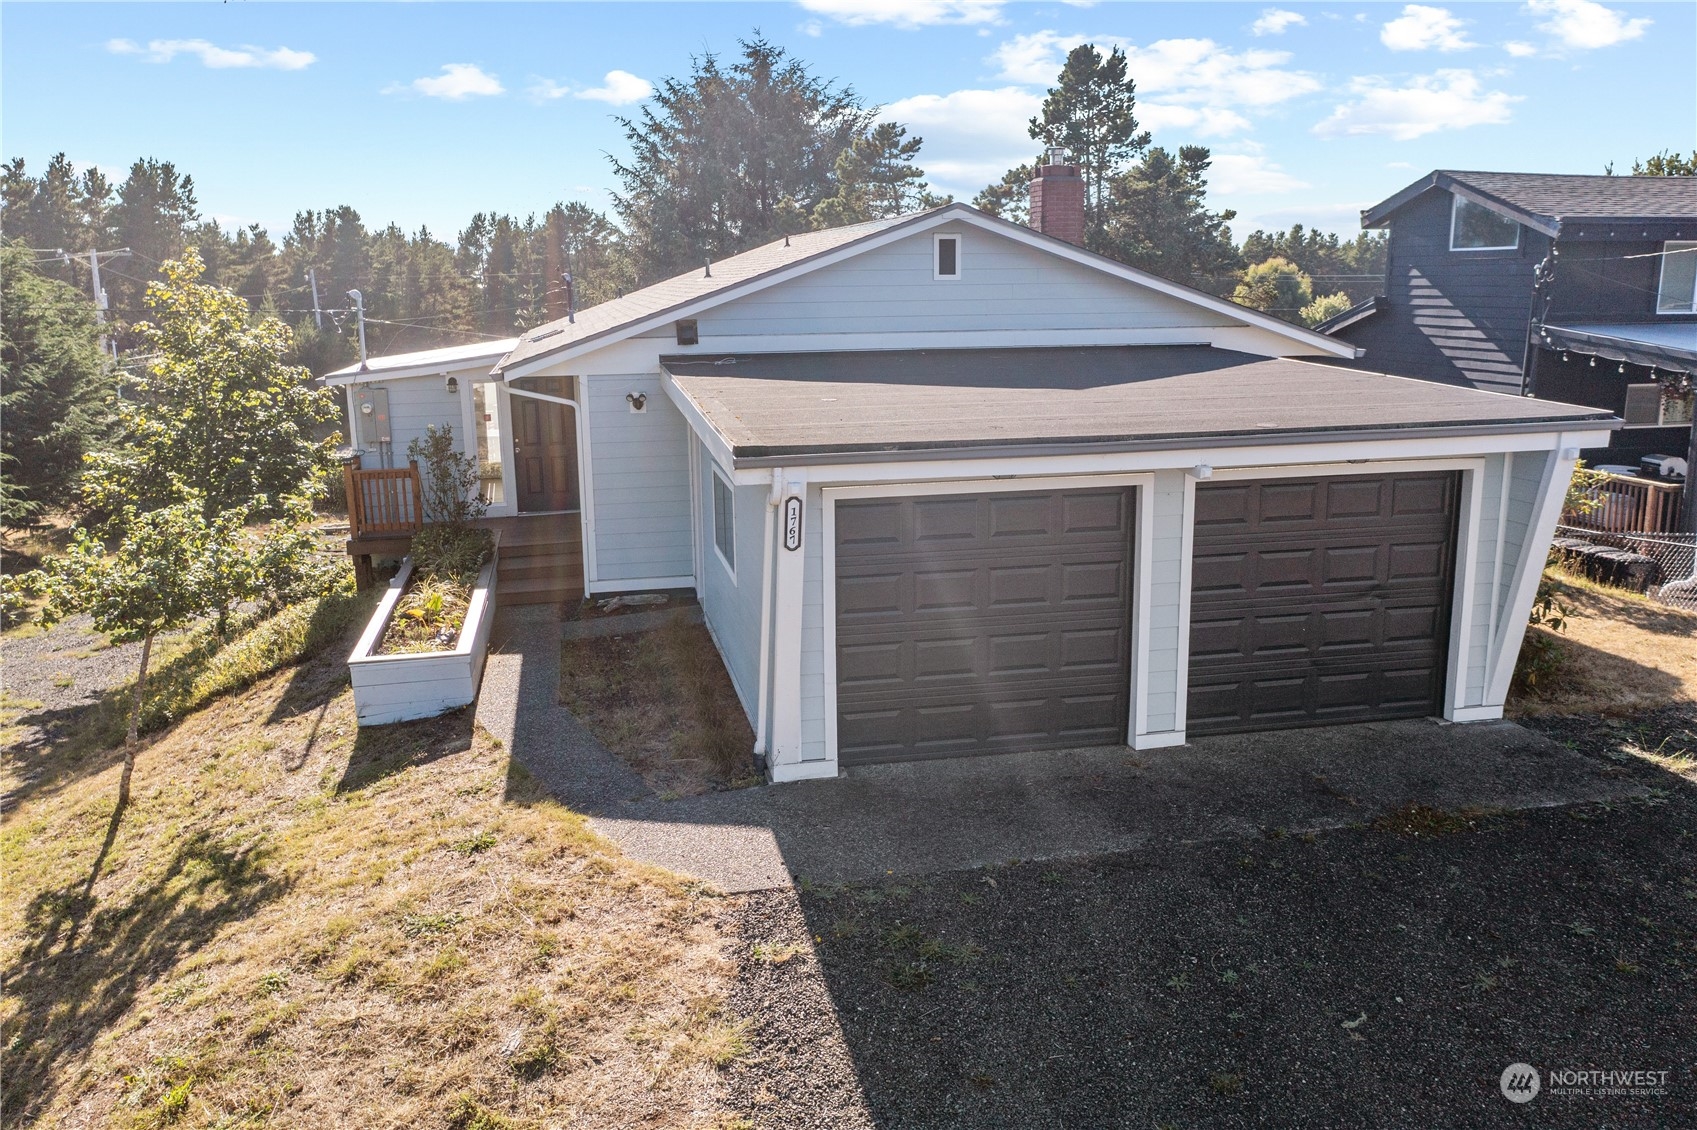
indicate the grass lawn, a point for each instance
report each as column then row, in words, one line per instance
column 297, row 923
column 1621, row 653
column 662, row 701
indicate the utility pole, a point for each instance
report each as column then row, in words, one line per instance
column 359, row 313
column 101, row 305
column 317, row 314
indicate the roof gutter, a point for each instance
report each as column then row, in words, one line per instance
column 774, row 457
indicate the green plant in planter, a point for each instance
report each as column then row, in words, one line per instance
column 450, row 478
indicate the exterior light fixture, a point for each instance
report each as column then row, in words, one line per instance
column 453, row 386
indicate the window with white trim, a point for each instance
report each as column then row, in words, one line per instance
column 725, row 522
column 1677, row 292
column 1653, row 406
column 948, row 257
column 1474, row 227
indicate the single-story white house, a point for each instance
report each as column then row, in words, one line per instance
column 949, row 485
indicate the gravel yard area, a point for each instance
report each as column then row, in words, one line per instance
column 50, row 675
column 1378, row 975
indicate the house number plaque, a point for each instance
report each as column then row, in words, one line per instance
column 792, row 523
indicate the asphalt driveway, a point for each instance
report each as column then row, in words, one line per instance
column 1383, row 972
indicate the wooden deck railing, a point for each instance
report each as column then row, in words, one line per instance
column 1628, row 504
column 384, row 502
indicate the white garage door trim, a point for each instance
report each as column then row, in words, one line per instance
column 1466, row 550
column 1142, row 561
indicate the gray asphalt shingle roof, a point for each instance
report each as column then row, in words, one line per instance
column 768, row 407
column 1558, row 199
column 680, row 290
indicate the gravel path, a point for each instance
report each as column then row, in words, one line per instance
column 1376, row 975
column 52, row 674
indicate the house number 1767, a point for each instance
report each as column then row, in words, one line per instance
column 792, row 523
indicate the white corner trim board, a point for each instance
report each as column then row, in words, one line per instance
column 398, row 688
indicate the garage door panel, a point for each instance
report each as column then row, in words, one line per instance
column 1321, row 600
column 981, row 623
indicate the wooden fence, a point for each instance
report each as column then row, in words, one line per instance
column 384, row 502
column 1627, row 504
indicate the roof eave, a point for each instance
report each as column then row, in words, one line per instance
column 753, row 457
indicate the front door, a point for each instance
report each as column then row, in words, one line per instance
column 545, row 447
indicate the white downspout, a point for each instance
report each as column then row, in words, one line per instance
column 764, row 709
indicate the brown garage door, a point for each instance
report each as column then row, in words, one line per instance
column 1320, row 600
column 982, row 623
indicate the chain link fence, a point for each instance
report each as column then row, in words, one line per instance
column 1662, row 566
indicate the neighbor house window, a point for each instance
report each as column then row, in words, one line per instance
column 1474, row 227
column 1677, row 293
column 725, row 522
column 948, row 257
column 1653, row 406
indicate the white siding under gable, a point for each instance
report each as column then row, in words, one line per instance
column 639, row 471
column 732, row 603
column 1003, row 285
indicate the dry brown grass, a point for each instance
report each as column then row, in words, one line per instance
column 1621, row 653
column 300, row 924
column 663, row 702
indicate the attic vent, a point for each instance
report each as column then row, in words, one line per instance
column 688, row 332
column 547, row 333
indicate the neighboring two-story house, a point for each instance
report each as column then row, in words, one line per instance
column 1570, row 288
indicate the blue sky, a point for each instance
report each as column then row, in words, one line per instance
column 426, row 113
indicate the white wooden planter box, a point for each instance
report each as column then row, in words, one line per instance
column 396, row 688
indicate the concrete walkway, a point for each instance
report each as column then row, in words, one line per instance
column 947, row 815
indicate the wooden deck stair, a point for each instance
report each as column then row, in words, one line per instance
column 541, row 559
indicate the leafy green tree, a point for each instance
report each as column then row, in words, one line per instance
column 1667, row 163
column 216, row 414
column 1276, row 286
column 730, row 157
column 1355, row 266
column 578, row 239
column 56, row 384
column 153, row 214
column 1324, row 307
column 172, row 566
column 61, row 209
column 1091, row 113
column 877, row 178
column 1158, row 219
column 1010, row 197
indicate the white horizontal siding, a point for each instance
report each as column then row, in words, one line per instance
column 1003, row 286
column 640, row 471
column 732, row 604
column 414, row 404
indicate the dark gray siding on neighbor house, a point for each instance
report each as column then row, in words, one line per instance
column 1458, row 317
column 1603, row 385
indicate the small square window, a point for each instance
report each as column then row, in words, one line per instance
column 725, row 522
column 948, row 257
column 1677, row 293
column 1474, row 227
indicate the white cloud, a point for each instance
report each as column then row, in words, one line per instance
column 1519, row 48
column 907, row 14
column 1423, row 28
column 1249, row 173
column 812, row 28
column 1274, row 21
column 1190, row 72
column 1584, row 24
column 971, row 137
column 1446, row 99
column 620, row 88
column 1204, row 122
column 547, row 90
column 456, row 83
column 214, row 56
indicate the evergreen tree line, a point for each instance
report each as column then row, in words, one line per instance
column 733, row 155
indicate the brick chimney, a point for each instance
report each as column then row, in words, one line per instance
column 1057, row 198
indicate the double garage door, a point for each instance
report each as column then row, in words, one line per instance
column 985, row 623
